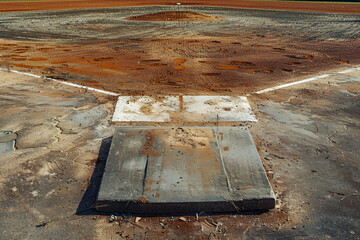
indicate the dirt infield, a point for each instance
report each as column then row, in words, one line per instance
column 248, row 51
column 307, row 134
column 83, row 4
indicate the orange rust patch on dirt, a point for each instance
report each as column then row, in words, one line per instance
column 227, row 67
column 251, row 70
column 179, row 67
column 208, row 89
column 90, row 81
column 181, row 16
column 268, row 70
column 10, row 56
column 114, row 67
column 37, row 59
column 22, row 65
column 179, row 60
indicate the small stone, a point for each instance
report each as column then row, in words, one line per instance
column 352, row 232
column 112, row 218
column 137, row 219
column 35, row 193
column 183, row 219
column 293, row 227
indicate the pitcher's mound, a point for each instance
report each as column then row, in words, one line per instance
column 183, row 16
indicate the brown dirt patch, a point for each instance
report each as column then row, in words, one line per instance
column 181, row 16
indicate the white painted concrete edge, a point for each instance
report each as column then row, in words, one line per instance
column 62, row 82
column 307, row 80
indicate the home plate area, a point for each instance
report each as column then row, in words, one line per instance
column 183, row 108
column 177, row 169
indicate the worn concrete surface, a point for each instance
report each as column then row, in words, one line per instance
column 184, row 170
column 307, row 138
column 177, row 110
column 60, row 130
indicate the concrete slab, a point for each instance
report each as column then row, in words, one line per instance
column 145, row 109
column 186, row 170
column 183, row 108
column 217, row 108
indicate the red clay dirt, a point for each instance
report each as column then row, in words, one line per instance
column 13, row 6
column 155, row 66
column 182, row 16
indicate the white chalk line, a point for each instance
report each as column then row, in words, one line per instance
column 116, row 94
column 61, row 82
column 307, row 80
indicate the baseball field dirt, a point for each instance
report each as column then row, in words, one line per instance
column 63, row 64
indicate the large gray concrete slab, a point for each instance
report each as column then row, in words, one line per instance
column 184, row 170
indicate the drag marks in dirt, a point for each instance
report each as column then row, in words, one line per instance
column 152, row 66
